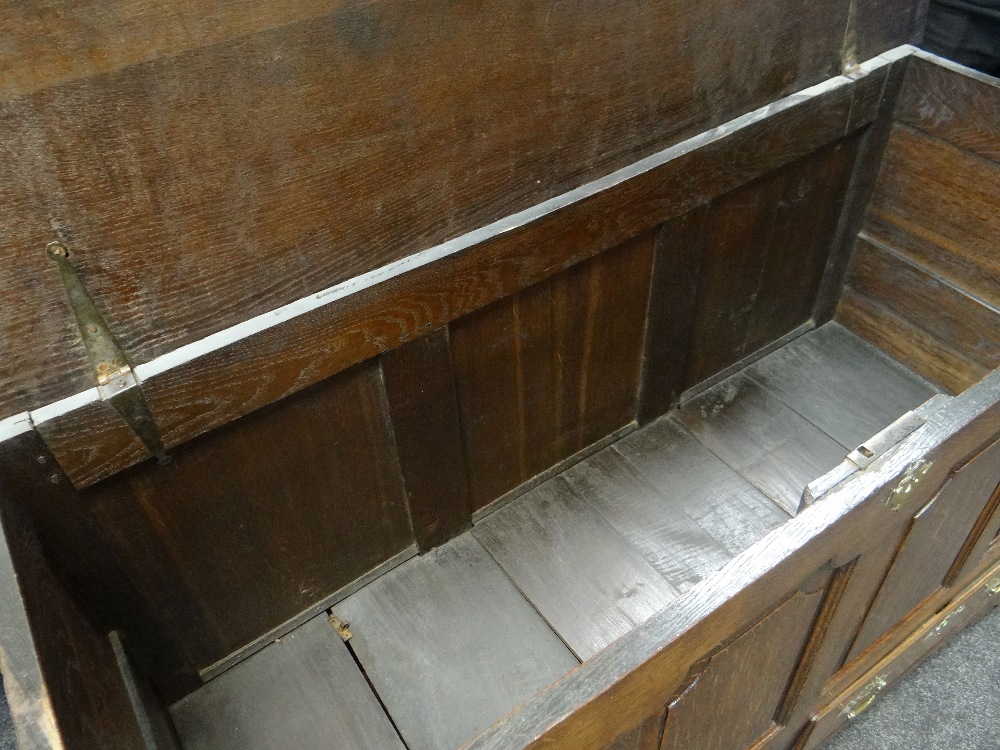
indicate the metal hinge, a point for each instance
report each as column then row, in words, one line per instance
column 116, row 381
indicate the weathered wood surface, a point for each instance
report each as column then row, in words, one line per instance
column 623, row 686
column 450, row 645
column 218, row 386
column 423, row 405
column 551, row 369
column 967, row 325
column 254, row 524
column 924, row 281
column 742, row 272
column 681, row 550
column 936, row 205
column 745, row 682
column 878, row 25
column 933, row 544
column 585, row 579
column 323, row 139
column 304, row 691
column 768, row 443
column 960, row 108
column 59, row 672
column 841, row 384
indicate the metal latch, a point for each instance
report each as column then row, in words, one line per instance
column 863, row 456
column 116, row 381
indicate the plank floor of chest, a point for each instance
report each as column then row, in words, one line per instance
column 449, row 642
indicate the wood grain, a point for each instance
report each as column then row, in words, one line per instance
column 583, row 577
column 770, row 445
column 450, row 645
column 932, row 546
column 550, row 370
column 681, row 550
column 698, row 484
column 218, row 387
column 762, row 251
column 646, row 736
column 919, row 350
column 936, row 204
column 621, row 687
column 423, row 408
column 60, row 675
column 883, row 24
column 745, row 682
column 256, row 523
column 303, row 691
column 963, row 323
column 843, row 385
column 322, row 139
column 960, row 109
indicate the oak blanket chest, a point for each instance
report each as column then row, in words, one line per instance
column 381, row 375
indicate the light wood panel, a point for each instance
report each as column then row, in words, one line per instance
column 585, row 579
column 304, row 691
column 450, row 645
column 840, row 383
column 681, row 550
column 692, row 481
column 763, row 439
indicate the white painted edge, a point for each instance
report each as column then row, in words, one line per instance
column 13, row 426
column 189, row 352
column 58, row 408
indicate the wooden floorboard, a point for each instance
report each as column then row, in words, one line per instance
column 580, row 574
column 842, row 384
column 451, row 645
column 304, row 691
column 767, row 442
column 700, row 485
column 681, row 550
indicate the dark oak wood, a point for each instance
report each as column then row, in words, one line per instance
column 304, row 691
column 551, row 370
column 744, row 682
column 584, row 578
column 60, row 675
column 621, row 687
column 962, row 109
column 240, row 378
column 450, row 645
column 673, row 299
column 965, row 324
column 763, row 439
column 693, row 482
column 922, row 352
column 883, row 24
column 253, row 132
column 764, row 251
column 252, row 525
column 932, row 546
column 681, row 550
column 423, row 406
column 840, row 383
column 935, row 204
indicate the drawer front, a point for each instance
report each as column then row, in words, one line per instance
column 974, row 602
